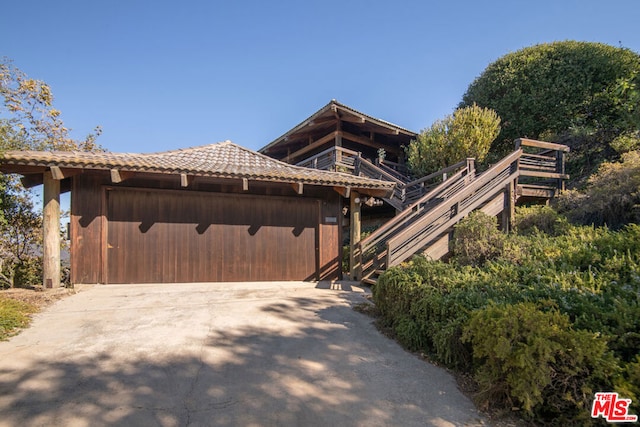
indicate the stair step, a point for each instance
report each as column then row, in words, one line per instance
column 379, row 272
column 369, row 281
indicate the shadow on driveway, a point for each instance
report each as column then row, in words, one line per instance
column 294, row 356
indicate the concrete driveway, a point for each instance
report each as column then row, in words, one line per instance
column 238, row 354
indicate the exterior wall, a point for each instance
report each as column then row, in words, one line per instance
column 90, row 239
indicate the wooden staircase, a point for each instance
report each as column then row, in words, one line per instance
column 429, row 207
column 425, row 225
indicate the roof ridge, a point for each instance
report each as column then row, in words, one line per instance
column 184, row 149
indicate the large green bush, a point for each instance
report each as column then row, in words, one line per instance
column 549, row 89
column 570, row 306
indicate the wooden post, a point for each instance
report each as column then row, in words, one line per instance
column 51, row 230
column 354, row 226
column 560, row 168
column 338, row 145
column 509, row 210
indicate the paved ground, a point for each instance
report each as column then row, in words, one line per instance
column 281, row 354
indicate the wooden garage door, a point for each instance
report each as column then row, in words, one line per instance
column 175, row 236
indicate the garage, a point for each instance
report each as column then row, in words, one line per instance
column 176, row 236
column 215, row 213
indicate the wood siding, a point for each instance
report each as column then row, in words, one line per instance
column 128, row 234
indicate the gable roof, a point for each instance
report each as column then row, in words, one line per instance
column 337, row 108
column 221, row 160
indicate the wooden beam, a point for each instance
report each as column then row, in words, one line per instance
column 375, row 192
column 186, row 180
column 22, row 169
column 62, row 173
column 245, row 184
column 51, row 232
column 538, row 174
column 310, row 147
column 118, row 176
column 366, row 141
column 541, row 144
column 32, row 180
column 508, row 211
column 298, row 187
column 343, row 191
column 350, row 118
column 354, row 225
column 56, row 173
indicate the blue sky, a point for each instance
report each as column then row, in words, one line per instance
column 160, row 75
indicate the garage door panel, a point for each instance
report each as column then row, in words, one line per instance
column 158, row 236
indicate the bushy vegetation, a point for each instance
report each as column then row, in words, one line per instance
column 468, row 132
column 550, row 89
column 542, row 324
column 611, row 197
column 477, row 239
column 13, row 316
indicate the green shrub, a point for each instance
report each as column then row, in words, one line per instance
column 533, row 219
column 534, row 360
column 476, row 239
column 577, row 293
column 612, row 196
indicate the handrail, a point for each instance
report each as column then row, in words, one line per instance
column 401, row 217
column 379, row 171
column 480, row 188
column 442, row 191
column 398, row 231
column 392, row 171
column 552, row 146
column 439, row 173
column 427, row 219
column 484, row 178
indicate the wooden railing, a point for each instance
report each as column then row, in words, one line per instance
column 428, row 207
column 542, row 167
column 371, row 251
column 405, row 193
column 442, row 217
column 333, row 158
column 434, row 214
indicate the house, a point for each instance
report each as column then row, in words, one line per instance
column 214, row 213
column 221, row 212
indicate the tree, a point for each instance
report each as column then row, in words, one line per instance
column 468, row 132
column 549, row 89
column 28, row 121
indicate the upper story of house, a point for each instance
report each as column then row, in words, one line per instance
column 338, row 126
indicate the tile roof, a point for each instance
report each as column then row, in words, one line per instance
column 221, row 160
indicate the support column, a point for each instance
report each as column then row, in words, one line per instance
column 51, row 229
column 354, row 226
column 338, row 143
column 509, row 212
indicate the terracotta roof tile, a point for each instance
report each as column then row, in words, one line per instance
column 223, row 160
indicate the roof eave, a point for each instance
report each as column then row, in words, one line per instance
column 345, row 108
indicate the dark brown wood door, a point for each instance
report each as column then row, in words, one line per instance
column 177, row 236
